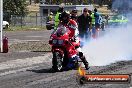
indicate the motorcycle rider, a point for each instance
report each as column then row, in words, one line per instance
column 74, row 15
column 73, row 27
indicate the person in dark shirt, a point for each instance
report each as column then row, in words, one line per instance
column 84, row 24
column 98, row 19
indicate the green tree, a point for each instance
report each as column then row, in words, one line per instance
column 15, row 7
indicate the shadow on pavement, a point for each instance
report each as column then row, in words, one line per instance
column 49, row 70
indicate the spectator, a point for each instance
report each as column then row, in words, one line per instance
column 107, row 19
column 57, row 16
column 51, row 16
column 103, row 23
column 98, row 19
column 84, row 23
column 93, row 22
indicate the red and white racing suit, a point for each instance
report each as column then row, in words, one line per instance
column 73, row 27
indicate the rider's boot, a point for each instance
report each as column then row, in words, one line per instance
column 83, row 58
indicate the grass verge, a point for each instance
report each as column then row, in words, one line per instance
column 25, row 28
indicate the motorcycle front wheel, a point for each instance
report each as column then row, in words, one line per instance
column 57, row 61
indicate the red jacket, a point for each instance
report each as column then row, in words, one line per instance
column 73, row 27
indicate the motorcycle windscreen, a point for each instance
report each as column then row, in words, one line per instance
column 61, row 31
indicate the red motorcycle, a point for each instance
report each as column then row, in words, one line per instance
column 64, row 50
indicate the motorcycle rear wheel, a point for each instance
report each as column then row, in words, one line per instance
column 57, row 61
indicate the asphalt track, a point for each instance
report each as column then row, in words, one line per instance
column 26, row 69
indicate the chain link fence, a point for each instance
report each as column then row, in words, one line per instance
column 29, row 21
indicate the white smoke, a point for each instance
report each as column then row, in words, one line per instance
column 115, row 45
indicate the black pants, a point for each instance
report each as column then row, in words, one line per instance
column 83, row 58
column 85, row 34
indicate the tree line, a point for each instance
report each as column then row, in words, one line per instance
column 14, row 7
column 100, row 2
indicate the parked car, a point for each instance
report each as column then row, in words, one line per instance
column 50, row 25
column 5, row 25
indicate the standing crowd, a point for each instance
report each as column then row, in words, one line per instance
column 89, row 22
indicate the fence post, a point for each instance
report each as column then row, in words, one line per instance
column 36, row 19
column 30, row 19
column 41, row 20
column 12, row 21
column 21, row 21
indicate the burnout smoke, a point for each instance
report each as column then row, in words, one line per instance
column 115, row 45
